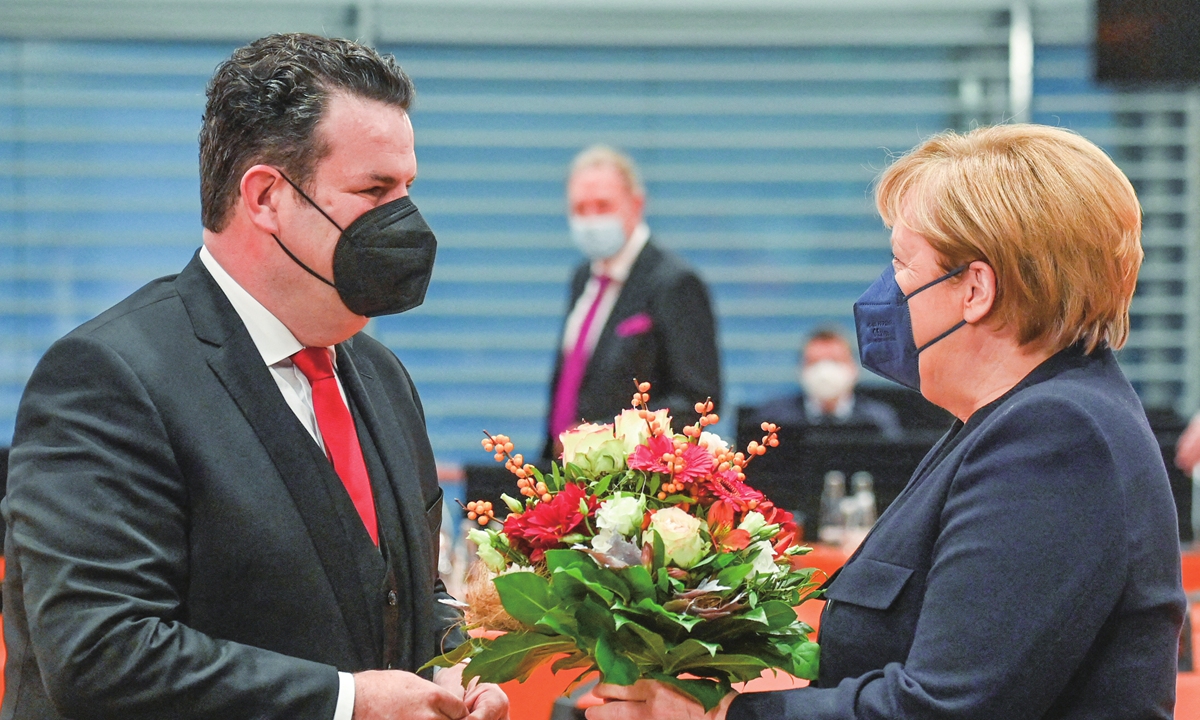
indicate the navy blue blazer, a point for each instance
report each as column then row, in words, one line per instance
column 1030, row 569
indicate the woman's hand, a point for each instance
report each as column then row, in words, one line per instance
column 651, row 700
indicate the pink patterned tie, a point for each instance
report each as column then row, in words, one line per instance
column 566, row 394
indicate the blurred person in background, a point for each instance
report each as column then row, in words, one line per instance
column 222, row 500
column 827, row 373
column 635, row 310
column 1031, row 567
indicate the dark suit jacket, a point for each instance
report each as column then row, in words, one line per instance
column 178, row 546
column 676, row 352
column 1030, row 569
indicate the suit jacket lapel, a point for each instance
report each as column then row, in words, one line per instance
column 634, row 295
column 298, row 459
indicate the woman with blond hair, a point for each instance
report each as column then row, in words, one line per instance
column 1030, row 569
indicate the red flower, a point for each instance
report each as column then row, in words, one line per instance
column 697, row 462
column 542, row 527
column 648, row 457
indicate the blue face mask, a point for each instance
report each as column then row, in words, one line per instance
column 885, row 337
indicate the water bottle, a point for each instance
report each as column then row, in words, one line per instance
column 832, row 522
column 859, row 511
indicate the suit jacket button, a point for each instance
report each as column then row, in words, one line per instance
column 392, row 599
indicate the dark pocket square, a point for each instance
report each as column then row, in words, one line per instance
column 635, row 325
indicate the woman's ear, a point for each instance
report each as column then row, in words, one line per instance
column 262, row 188
column 979, row 291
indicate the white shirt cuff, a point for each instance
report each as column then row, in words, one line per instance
column 345, row 701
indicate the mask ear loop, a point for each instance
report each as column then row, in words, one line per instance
column 930, row 284
column 292, row 255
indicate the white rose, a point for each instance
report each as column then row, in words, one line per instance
column 713, row 442
column 764, row 562
column 584, row 439
column 621, row 513
column 488, row 554
column 630, row 429
column 753, row 522
column 680, row 533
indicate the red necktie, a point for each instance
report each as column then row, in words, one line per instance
column 338, row 432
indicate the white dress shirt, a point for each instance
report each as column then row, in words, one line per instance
column 616, row 267
column 277, row 345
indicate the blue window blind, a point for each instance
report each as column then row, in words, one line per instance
column 758, row 164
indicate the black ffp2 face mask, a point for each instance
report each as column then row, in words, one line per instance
column 382, row 262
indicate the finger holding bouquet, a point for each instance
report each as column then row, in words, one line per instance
column 645, row 557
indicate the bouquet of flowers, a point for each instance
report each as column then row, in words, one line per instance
column 643, row 555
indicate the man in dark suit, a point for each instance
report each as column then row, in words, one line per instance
column 222, row 500
column 827, row 374
column 636, row 310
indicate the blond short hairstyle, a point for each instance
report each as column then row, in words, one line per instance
column 606, row 155
column 1049, row 211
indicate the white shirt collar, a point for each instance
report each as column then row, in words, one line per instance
column 618, row 266
column 272, row 338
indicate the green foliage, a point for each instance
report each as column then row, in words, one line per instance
column 641, row 622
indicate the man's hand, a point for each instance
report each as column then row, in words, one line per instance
column 487, row 701
column 651, row 700
column 390, row 694
column 1187, row 451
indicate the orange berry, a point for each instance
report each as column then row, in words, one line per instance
column 471, row 516
column 518, row 459
column 774, row 442
column 483, row 521
column 508, row 447
column 546, row 497
column 499, row 457
column 644, row 387
column 699, row 407
column 488, row 445
column 662, row 496
column 541, row 487
column 713, row 418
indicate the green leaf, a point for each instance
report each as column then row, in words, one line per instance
column 595, row 620
column 556, row 478
column 601, row 487
column 660, row 550
column 739, row 667
column 617, row 668
column 525, row 595
column 779, row 614
column 556, row 559
column 655, row 484
column 650, row 639
column 573, row 472
column 639, row 581
column 564, row 576
column 647, row 606
column 708, row 693
column 514, row 655
column 570, row 662
column 806, row 661
column 732, row 576
column 462, row 652
column 560, row 621
column 686, row 653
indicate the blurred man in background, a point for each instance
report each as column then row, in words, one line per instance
column 635, row 311
column 828, row 372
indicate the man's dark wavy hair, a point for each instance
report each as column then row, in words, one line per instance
column 264, row 104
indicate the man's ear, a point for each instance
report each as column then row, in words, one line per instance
column 262, row 190
column 979, row 291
